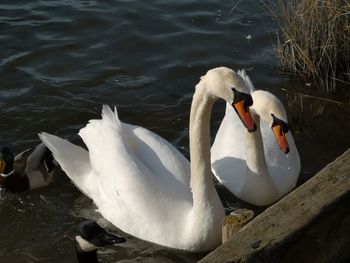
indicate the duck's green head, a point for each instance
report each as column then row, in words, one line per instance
column 6, row 160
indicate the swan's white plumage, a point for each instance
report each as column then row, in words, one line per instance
column 148, row 165
column 74, row 160
column 142, row 184
column 228, row 157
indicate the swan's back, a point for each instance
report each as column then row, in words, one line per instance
column 135, row 177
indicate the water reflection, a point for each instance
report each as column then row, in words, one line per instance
column 319, row 121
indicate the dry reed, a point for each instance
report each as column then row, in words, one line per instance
column 314, row 41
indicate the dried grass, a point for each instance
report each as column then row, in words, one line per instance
column 315, row 39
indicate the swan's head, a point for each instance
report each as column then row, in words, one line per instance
column 225, row 83
column 271, row 111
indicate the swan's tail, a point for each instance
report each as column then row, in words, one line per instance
column 107, row 114
column 74, row 161
column 246, row 79
column 100, row 127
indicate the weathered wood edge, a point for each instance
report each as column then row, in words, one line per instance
column 283, row 220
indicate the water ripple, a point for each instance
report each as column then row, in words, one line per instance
column 62, row 59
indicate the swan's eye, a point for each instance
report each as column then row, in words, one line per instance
column 283, row 126
column 241, row 96
column 248, row 100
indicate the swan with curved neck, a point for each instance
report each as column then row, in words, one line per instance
column 259, row 167
column 132, row 175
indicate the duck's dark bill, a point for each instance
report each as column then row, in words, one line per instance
column 110, row 239
column 281, row 138
column 244, row 114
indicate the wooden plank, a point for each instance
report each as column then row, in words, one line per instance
column 304, row 216
column 233, row 222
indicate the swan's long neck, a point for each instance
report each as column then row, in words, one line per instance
column 203, row 189
column 254, row 151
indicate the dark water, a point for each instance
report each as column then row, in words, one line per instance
column 61, row 60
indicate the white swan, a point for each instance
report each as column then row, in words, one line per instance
column 256, row 167
column 140, row 183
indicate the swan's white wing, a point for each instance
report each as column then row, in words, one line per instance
column 136, row 194
column 128, row 174
column 157, row 154
column 74, row 160
column 143, row 154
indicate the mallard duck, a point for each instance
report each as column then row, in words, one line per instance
column 142, row 184
column 91, row 236
column 31, row 169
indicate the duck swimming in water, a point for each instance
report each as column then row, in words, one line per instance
column 91, row 237
column 29, row 170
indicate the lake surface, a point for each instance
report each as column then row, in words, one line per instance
column 61, row 60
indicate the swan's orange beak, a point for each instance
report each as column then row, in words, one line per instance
column 244, row 114
column 281, row 138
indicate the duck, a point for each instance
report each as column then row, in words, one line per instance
column 261, row 167
column 31, row 169
column 142, row 184
column 91, row 237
